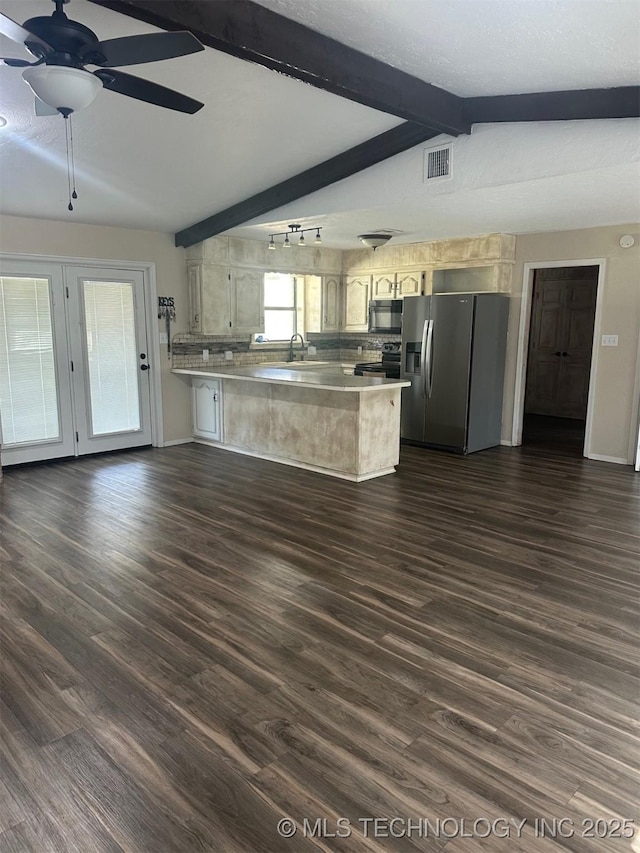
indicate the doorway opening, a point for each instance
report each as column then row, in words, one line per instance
column 556, row 357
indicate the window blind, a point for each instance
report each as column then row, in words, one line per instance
column 28, row 389
column 112, row 356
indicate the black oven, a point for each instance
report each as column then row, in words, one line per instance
column 389, row 366
column 385, row 316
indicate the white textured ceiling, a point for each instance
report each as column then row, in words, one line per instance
column 144, row 167
column 487, row 47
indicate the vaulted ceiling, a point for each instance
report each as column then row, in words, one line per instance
column 144, row 167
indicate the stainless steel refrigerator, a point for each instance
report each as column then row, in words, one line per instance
column 453, row 353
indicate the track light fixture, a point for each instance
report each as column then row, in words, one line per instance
column 299, row 232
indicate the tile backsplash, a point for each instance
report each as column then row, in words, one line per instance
column 330, row 346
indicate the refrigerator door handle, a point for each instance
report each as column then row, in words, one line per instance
column 427, row 358
column 423, row 357
column 430, row 347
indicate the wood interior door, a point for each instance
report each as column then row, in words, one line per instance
column 560, row 342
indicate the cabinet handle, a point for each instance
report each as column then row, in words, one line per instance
column 196, row 318
column 215, row 396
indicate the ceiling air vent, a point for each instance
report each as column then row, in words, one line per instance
column 437, row 163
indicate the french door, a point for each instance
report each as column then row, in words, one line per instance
column 74, row 371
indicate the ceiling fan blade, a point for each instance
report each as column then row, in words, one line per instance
column 151, row 47
column 42, row 109
column 15, row 63
column 145, row 90
column 17, row 33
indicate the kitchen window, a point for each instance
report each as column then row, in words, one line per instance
column 283, row 301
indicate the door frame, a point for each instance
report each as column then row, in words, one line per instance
column 523, row 342
column 148, row 270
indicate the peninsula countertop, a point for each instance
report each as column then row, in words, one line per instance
column 323, row 380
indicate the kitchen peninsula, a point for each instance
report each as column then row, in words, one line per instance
column 319, row 419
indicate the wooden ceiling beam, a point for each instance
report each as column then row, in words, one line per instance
column 249, row 31
column 368, row 153
column 622, row 102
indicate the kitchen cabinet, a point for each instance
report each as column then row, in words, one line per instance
column 206, row 408
column 409, row 283
column 384, row 286
column 357, row 292
column 330, row 303
column 247, row 302
column 396, row 285
column 224, row 300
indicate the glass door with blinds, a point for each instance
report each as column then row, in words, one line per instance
column 74, row 367
column 35, row 387
column 110, row 361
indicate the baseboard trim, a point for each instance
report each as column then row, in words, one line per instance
column 353, row 478
column 175, row 441
column 506, row 442
column 617, row 460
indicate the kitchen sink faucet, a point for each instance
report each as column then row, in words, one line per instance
column 292, row 356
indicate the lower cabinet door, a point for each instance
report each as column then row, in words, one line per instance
column 206, row 408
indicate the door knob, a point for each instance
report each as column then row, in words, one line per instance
column 558, row 353
column 565, row 354
column 143, row 355
column 145, row 367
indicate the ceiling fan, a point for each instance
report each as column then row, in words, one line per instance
column 63, row 48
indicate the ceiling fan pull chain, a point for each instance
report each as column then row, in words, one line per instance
column 66, row 139
column 74, row 194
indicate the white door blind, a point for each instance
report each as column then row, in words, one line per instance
column 112, row 356
column 28, row 391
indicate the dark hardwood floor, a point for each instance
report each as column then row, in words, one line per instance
column 554, row 435
column 197, row 644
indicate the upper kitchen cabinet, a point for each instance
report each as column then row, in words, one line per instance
column 322, row 303
column 208, row 298
column 224, row 301
column 396, row 285
column 330, row 303
column 247, row 302
column 383, row 286
column 410, row 283
column 357, row 292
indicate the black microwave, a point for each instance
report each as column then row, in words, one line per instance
column 385, row 316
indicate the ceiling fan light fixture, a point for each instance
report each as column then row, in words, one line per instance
column 373, row 241
column 62, row 87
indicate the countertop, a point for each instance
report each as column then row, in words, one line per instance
column 307, row 378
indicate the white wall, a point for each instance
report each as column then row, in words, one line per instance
column 68, row 239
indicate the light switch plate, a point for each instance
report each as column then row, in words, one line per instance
column 164, row 338
column 609, row 340
column 205, row 355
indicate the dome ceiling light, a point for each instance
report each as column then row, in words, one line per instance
column 372, row 241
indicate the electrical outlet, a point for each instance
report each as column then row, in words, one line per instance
column 228, row 355
column 359, row 350
column 609, row 340
column 311, row 350
column 205, row 355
